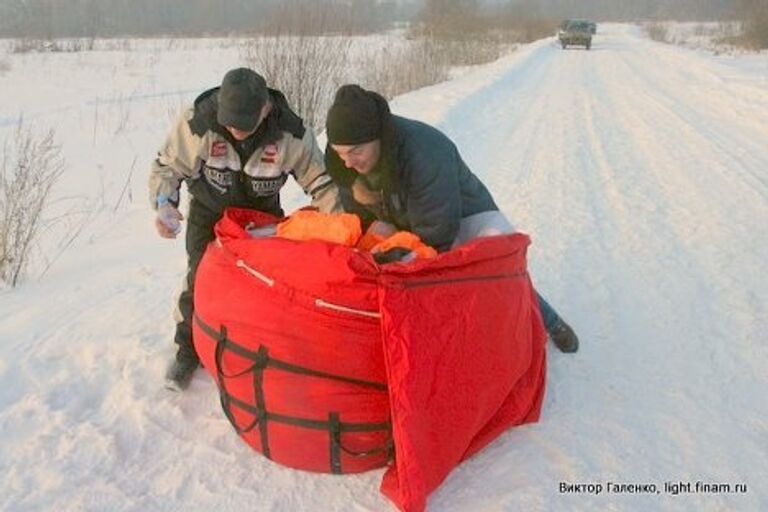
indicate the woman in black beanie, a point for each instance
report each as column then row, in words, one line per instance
column 410, row 175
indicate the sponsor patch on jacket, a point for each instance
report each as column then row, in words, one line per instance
column 261, row 187
column 219, row 148
column 219, row 179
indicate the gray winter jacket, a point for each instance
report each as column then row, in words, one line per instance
column 426, row 187
column 221, row 172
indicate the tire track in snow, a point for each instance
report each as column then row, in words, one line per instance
column 698, row 271
column 711, row 121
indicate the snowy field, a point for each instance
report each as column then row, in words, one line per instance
column 709, row 36
column 639, row 169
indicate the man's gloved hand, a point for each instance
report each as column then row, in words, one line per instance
column 168, row 221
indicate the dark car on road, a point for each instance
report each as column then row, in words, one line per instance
column 576, row 33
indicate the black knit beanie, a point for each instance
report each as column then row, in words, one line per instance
column 356, row 116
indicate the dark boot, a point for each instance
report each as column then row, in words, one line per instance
column 180, row 373
column 564, row 338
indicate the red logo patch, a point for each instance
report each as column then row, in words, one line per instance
column 270, row 150
column 219, row 149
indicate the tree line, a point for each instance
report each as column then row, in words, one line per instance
column 48, row 19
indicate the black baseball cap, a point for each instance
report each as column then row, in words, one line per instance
column 242, row 95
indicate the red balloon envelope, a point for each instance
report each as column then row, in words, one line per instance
column 326, row 361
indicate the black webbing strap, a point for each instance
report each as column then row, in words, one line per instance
column 388, row 447
column 334, row 426
column 434, row 282
column 274, row 363
column 313, row 424
column 261, row 361
column 282, row 365
column 224, row 397
column 258, row 389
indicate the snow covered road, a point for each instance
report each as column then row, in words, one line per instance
column 640, row 171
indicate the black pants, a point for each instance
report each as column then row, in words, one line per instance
column 199, row 233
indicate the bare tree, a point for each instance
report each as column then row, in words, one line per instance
column 657, row 31
column 45, row 19
column 451, row 19
column 394, row 71
column 755, row 16
column 469, row 32
column 294, row 58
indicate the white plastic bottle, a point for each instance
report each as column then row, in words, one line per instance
column 168, row 215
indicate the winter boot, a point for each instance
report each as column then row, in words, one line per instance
column 180, row 373
column 564, row 337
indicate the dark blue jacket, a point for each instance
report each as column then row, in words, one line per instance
column 425, row 185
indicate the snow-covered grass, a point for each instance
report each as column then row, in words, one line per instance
column 718, row 37
column 638, row 168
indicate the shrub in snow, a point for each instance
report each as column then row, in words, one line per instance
column 307, row 69
column 657, row 31
column 393, row 71
column 30, row 166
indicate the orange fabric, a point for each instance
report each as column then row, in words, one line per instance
column 406, row 240
column 342, row 228
column 345, row 229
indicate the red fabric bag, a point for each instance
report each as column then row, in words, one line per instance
column 326, row 361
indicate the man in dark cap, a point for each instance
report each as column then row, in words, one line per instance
column 411, row 176
column 235, row 146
